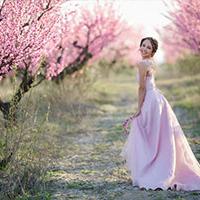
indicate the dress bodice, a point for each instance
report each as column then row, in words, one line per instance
column 150, row 78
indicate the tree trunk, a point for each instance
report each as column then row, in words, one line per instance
column 9, row 109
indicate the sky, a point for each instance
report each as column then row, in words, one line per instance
column 146, row 13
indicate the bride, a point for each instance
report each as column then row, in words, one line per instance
column 156, row 152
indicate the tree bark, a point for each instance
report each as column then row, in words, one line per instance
column 9, row 109
column 78, row 64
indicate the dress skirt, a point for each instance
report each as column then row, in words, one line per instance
column 156, row 152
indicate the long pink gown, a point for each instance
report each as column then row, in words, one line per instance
column 156, row 152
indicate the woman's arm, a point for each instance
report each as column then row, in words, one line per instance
column 142, row 85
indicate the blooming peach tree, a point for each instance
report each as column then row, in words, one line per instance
column 183, row 33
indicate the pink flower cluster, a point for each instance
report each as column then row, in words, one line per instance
column 26, row 28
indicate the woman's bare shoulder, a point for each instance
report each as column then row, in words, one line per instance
column 146, row 63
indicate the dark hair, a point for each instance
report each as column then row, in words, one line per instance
column 154, row 43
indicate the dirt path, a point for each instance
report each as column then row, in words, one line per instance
column 92, row 167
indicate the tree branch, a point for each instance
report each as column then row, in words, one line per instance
column 1, row 8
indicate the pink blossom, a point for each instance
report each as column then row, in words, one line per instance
column 27, row 26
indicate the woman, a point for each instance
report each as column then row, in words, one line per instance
column 157, row 153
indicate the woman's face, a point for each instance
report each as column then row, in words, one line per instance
column 146, row 49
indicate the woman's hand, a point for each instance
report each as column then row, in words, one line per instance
column 127, row 121
column 137, row 113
